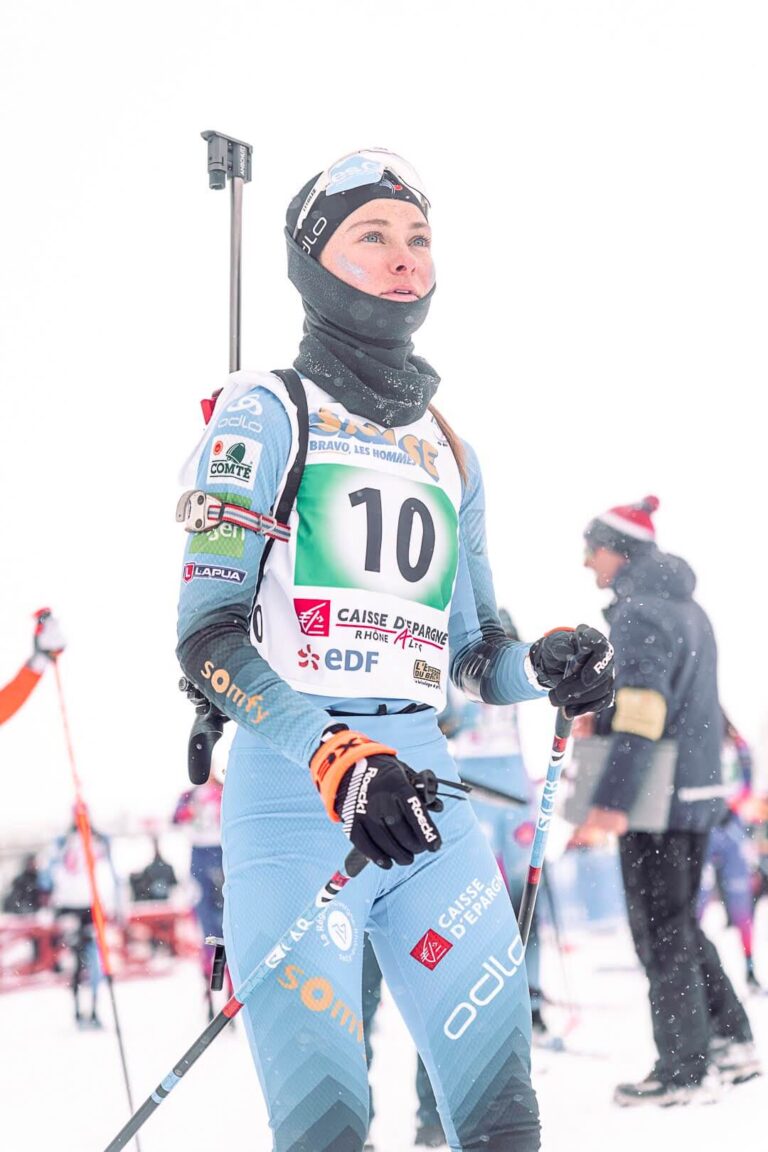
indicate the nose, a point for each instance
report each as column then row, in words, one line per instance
column 402, row 259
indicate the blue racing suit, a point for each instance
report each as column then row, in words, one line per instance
column 465, row 1000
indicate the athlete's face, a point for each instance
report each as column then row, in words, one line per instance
column 383, row 248
column 605, row 564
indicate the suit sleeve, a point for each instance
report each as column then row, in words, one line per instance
column 219, row 578
column 644, row 663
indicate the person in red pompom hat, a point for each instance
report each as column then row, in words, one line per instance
column 659, row 788
column 616, row 535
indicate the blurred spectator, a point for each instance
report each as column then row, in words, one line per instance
column 29, row 890
column 666, row 692
column 156, row 881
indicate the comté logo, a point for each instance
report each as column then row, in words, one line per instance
column 431, row 949
column 314, row 616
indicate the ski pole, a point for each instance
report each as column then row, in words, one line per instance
column 353, row 865
column 83, row 823
column 543, row 820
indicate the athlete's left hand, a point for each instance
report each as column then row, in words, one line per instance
column 576, row 664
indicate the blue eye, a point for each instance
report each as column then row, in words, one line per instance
column 371, row 236
column 421, row 241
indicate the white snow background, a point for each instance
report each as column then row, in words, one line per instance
column 599, row 179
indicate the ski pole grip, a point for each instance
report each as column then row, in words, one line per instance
column 355, row 862
column 218, row 966
column 562, row 725
column 206, row 730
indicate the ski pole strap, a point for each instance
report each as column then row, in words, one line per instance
column 198, row 511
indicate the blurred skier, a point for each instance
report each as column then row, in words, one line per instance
column 729, row 867
column 199, row 812
column 67, row 874
column 47, row 643
column 485, row 744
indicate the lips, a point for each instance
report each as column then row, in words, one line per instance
column 401, row 294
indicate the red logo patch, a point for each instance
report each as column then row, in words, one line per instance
column 188, row 572
column 314, row 616
column 431, row 949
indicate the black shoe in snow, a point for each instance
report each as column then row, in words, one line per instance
column 430, row 1136
column 736, row 1062
column 537, row 1022
column 665, row 1094
column 753, row 984
column 88, row 1023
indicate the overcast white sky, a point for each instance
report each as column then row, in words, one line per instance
column 599, row 180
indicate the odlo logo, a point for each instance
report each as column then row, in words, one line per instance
column 230, row 463
column 486, row 989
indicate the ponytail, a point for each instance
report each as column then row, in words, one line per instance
column 456, row 445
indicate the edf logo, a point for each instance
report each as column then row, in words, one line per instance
column 350, row 660
column 338, row 659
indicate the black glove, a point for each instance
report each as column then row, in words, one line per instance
column 381, row 802
column 577, row 665
column 384, row 812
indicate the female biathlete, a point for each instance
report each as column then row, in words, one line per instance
column 336, row 575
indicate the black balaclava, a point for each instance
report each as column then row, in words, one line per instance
column 356, row 346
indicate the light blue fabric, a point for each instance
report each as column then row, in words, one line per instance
column 467, row 1008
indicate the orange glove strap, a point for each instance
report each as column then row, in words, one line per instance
column 334, row 757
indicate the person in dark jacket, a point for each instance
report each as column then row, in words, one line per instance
column 666, row 688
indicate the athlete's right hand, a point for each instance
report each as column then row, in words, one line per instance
column 364, row 785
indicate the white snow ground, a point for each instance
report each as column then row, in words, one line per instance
column 63, row 1090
